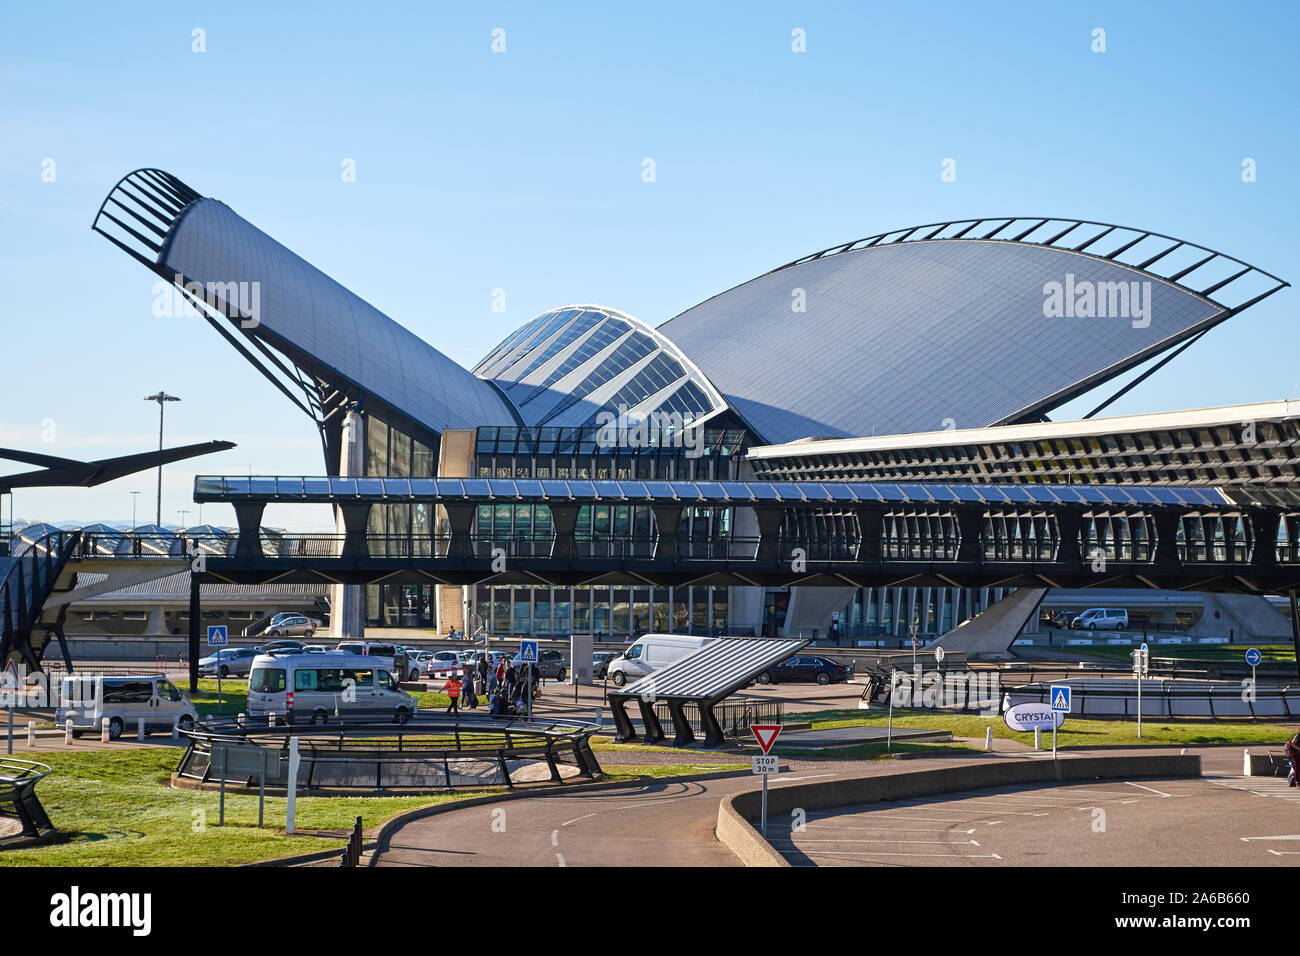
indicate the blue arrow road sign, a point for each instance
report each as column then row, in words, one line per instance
column 528, row 652
column 1060, row 698
column 1253, row 656
column 217, row 635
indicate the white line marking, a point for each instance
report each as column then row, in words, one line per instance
column 560, row 857
column 945, row 856
column 811, row 776
column 1289, row 836
column 948, row 809
column 907, row 842
column 822, row 826
column 1158, row 793
column 555, row 838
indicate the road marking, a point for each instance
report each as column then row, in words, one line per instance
column 875, row 853
column 929, row 819
column 822, row 826
column 555, row 838
column 560, row 858
column 949, row 809
column 906, row 842
column 1290, row 836
column 811, row 776
column 1159, row 793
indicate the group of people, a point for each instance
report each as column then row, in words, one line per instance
column 504, row 685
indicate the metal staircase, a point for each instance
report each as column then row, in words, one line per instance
column 26, row 580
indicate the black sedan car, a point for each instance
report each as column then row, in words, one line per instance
column 823, row 670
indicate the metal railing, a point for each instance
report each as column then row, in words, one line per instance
column 429, row 751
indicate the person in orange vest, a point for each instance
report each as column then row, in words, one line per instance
column 453, row 691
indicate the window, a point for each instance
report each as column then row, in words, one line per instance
column 167, row 691
column 266, row 680
column 128, row 692
column 306, row 680
column 386, row 680
column 360, row 678
column 634, row 652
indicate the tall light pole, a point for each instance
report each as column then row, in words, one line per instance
column 160, row 398
column 135, row 496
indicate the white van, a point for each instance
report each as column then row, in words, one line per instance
column 1102, row 619
column 311, row 688
column 651, row 652
column 123, row 701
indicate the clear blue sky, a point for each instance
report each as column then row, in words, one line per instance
column 522, row 171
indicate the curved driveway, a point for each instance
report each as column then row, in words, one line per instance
column 671, row 822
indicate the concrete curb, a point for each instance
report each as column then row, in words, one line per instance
column 735, row 813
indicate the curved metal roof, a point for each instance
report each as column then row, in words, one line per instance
column 947, row 325
column 332, row 335
column 566, row 366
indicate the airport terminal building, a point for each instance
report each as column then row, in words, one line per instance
column 882, row 359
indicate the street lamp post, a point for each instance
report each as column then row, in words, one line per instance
column 160, row 398
column 135, row 497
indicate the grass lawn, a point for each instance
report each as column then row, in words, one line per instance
column 631, row 772
column 1217, row 653
column 1073, row 733
column 117, row 810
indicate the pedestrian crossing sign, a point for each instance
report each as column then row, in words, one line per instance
column 1060, row 697
column 528, row 652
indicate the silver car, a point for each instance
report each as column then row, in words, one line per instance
column 227, row 661
column 292, row 625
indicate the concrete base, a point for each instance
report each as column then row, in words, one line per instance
column 990, row 634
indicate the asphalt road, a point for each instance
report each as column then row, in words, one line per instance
column 1217, row 820
column 1182, row 822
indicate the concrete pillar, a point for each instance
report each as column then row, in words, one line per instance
column 156, row 625
column 347, row 604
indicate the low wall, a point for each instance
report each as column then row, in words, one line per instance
column 735, row 813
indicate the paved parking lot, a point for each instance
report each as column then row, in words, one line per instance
column 1181, row 822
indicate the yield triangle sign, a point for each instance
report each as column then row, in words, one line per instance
column 765, row 734
column 1059, row 703
column 9, row 680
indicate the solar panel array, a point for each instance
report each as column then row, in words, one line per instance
column 716, row 669
column 825, row 493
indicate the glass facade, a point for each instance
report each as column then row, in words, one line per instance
column 396, row 447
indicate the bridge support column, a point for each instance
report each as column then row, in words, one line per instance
column 564, row 518
column 769, row 534
column 461, row 519
column 870, row 522
column 249, row 516
column 684, row 735
column 1166, row 554
column 196, row 621
column 970, row 528
column 668, row 518
column 347, row 614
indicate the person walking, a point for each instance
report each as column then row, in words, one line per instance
column 469, row 695
column 481, row 668
column 452, row 688
column 500, row 673
column 512, row 678
column 1293, row 753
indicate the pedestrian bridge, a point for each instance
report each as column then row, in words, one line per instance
column 803, row 533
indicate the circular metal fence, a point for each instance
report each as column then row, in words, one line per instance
column 428, row 752
column 18, row 801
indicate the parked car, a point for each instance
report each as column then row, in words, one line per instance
column 123, row 701
column 287, row 625
column 227, row 661
column 313, row 649
column 651, row 652
column 550, row 665
column 311, row 688
column 807, row 667
column 442, row 664
column 402, row 665
column 283, row 647
column 600, row 664
column 1101, row 618
column 1060, row 619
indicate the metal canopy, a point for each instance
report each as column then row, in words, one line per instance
column 703, row 678
column 324, row 490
